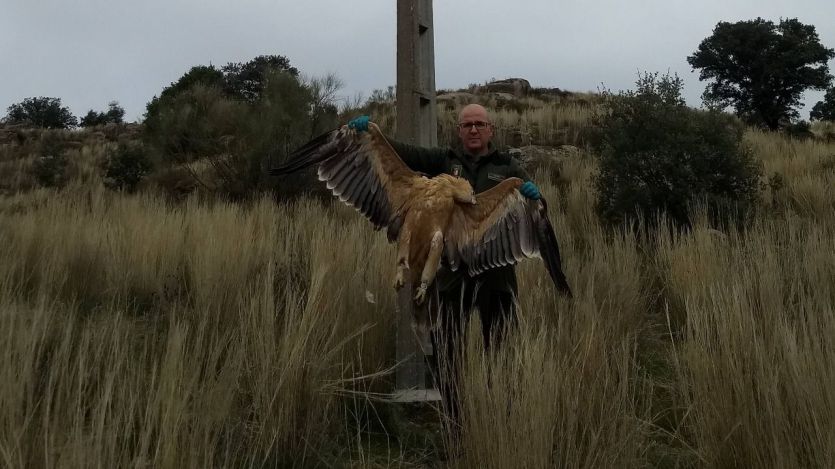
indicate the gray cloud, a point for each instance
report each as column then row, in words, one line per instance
column 93, row 51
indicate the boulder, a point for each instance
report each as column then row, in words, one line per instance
column 518, row 87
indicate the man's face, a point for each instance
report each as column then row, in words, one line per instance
column 475, row 130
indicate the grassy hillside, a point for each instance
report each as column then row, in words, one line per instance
column 139, row 331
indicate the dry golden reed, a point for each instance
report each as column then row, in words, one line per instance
column 141, row 333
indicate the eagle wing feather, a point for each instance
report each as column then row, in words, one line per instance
column 502, row 228
column 362, row 170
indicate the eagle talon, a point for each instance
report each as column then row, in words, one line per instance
column 420, row 297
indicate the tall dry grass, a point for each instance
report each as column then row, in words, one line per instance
column 755, row 363
column 547, row 120
column 138, row 332
column 800, row 173
column 565, row 390
column 530, row 122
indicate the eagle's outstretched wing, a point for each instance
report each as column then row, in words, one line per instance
column 503, row 228
column 362, row 169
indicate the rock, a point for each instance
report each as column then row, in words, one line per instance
column 518, row 87
column 534, row 158
column 502, row 97
column 533, row 155
column 568, row 150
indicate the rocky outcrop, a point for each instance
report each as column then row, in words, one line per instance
column 533, row 156
column 517, row 87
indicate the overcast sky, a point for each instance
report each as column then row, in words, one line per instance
column 90, row 52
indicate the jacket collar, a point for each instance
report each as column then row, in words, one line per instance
column 492, row 154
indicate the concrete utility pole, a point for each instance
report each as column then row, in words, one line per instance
column 417, row 125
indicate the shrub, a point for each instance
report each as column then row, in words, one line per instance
column 192, row 124
column 50, row 167
column 657, row 155
column 237, row 81
column 115, row 115
column 126, row 166
column 236, row 135
column 800, row 130
column 41, row 112
column 200, row 75
column 824, row 110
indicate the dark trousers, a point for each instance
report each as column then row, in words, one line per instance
column 497, row 311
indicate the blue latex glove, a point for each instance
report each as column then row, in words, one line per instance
column 530, row 190
column 360, row 124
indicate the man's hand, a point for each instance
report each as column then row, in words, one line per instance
column 530, row 190
column 360, row 124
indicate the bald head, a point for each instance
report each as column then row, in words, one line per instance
column 474, row 111
column 475, row 130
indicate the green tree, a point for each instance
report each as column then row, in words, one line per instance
column 115, row 115
column 198, row 75
column 194, row 124
column 281, row 121
column 41, row 112
column 246, row 80
column 761, row 69
column 237, row 80
column 824, row 110
column 657, row 155
column 236, row 118
column 231, row 136
column 91, row 119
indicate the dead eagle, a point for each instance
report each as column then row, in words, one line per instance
column 431, row 217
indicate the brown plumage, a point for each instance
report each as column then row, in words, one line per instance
column 431, row 218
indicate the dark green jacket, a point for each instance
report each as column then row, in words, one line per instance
column 488, row 171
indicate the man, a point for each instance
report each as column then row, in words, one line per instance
column 456, row 293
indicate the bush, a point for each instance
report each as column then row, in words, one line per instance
column 209, row 77
column 800, row 130
column 126, row 166
column 824, row 110
column 192, row 125
column 115, row 115
column 41, row 112
column 50, row 167
column 657, row 155
column 234, row 136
